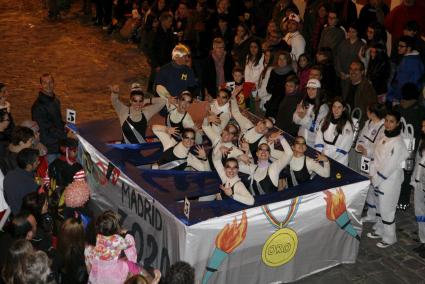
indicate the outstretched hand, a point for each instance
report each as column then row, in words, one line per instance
column 275, row 136
column 200, row 151
column 320, row 157
column 114, row 88
column 173, row 131
column 227, row 190
column 225, row 150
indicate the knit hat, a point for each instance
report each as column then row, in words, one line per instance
column 77, row 193
column 136, row 89
column 313, row 83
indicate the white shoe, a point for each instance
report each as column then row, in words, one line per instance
column 383, row 244
column 373, row 235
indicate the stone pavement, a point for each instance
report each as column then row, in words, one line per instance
column 84, row 61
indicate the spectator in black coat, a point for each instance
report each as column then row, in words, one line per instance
column 46, row 111
column 379, row 69
column 411, row 110
column 217, row 69
column 276, row 84
column 373, row 11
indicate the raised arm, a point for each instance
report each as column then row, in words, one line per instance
column 211, row 134
column 240, row 193
column 161, row 131
column 154, row 108
column 243, row 122
column 316, row 167
column 116, row 103
column 277, row 166
column 162, row 91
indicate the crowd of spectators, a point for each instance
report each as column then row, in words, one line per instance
column 305, row 72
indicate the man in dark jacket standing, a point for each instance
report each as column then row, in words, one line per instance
column 360, row 92
column 217, row 70
column 46, row 111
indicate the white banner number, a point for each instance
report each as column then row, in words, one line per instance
column 71, row 115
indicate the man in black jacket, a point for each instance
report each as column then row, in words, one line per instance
column 46, row 111
column 217, row 70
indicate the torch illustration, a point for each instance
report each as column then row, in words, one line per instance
column 229, row 238
column 337, row 211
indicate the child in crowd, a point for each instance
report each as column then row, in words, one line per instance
column 243, row 89
column 63, row 169
column 104, row 262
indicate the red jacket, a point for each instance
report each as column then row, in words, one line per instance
column 400, row 15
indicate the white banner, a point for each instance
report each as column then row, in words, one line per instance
column 283, row 241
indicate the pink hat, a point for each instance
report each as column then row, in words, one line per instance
column 77, row 193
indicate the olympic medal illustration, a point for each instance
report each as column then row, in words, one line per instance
column 280, row 247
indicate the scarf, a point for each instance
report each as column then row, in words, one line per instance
column 219, row 68
column 283, row 70
column 393, row 133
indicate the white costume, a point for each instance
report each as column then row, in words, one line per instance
column 333, row 144
column 262, row 89
column 368, row 138
column 181, row 121
column 223, row 112
column 240, row 193
column 176, row 156
column 302, row 168
column 252, row 73
column 217, row 143
column 418, row 183
column 386, row 177
column 309, row 124
column 248, row 132
column 265, row 175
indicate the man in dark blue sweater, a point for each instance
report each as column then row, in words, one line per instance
column 20, row 181
column 176, row 76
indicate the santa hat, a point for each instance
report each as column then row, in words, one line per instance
column 77, row 193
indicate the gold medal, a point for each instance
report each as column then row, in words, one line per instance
column 280, row 247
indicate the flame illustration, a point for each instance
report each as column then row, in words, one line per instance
column 335, row 204
column 232, row 235
column 229, row 238
column 336, row 211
